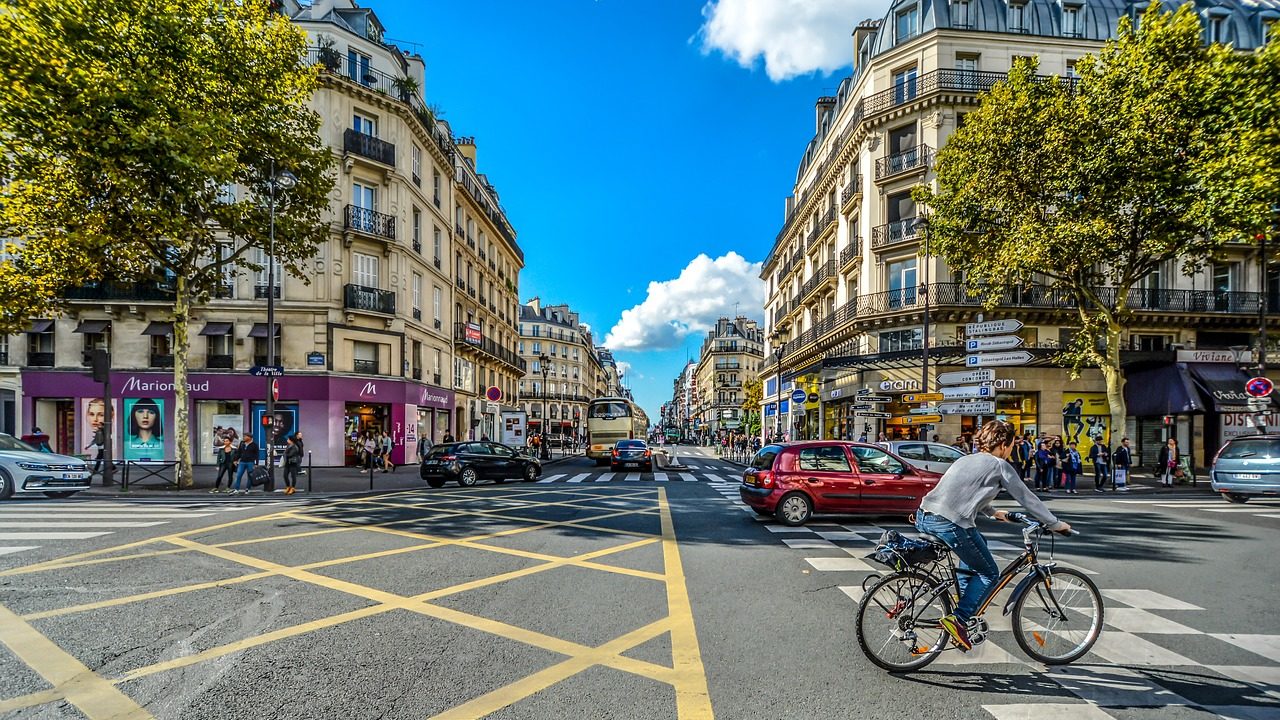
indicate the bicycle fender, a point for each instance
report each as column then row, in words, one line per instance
column 1037, row 574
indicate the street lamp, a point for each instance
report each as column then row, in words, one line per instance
column 782, row 349
column 923, row 224
column 542, row 364
column 285, row 180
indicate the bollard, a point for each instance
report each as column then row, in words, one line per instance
column 309, row 473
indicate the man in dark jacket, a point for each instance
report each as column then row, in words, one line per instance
column 1123, row 460
column 1100, row 456
column 246, row 457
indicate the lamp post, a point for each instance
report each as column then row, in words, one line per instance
column 782, row 349
column 542, row 365
column 923, row 224
column 285, row 180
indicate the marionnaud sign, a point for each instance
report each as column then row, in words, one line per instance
column 968, row 391
column 996, row 359
column 979, row 407
column 993, row 327
column 965, row 377
column 995, row 342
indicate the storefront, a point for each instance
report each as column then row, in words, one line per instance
column 327, row 409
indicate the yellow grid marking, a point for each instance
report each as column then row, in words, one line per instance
column 693, row 700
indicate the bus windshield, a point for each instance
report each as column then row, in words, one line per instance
column 608, row 410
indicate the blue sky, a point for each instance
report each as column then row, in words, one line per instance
column 623, row 147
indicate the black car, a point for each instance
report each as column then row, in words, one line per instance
column 627, row 453
column 470, row 462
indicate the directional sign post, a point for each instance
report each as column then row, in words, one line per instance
column 993, row 327
column 995, row 342
column 926, row 410
column 872, row 414
column 977, row 407
column 861, row 407
column 959, row 392
column 997, row 359
column 922, row 397
column 917, row 420
column 266, row 371
column 875, row 399
column 966, row 377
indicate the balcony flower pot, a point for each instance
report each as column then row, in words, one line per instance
column 329, row 56
column 405, row 86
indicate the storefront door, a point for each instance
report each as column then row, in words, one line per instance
column 360, row 419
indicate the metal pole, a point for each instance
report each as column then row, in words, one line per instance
column 269, row 420
column 1262, row 306
column 309, row 473
column 924, row 364
column 108, row 467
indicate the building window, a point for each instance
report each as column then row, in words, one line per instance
column 364, row 270
column 364, row 196
column 358, row 67
column 260, row 259
column 417, row 296
column 415, row 153
column 435, row 187
column 908, row 24
column 364, row 124
column 435, row 244
column 961, row 14
column 436, row 296
column 364, row 357
column 1217, row 30
column 904, row 85
column 897, row 340
column 1016, row 18
column 1071, row 70
column 1071, row 21
column 901, row 281
column 417, row 231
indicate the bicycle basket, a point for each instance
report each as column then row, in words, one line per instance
column 899, row 553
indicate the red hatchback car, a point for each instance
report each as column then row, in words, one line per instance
column 794, row 481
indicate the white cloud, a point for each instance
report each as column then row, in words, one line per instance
column 624, row 368
column 705, row 291
column 793, row 37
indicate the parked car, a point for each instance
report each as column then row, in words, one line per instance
column 1247, row 466
column 795, row 481
column 931, row 456
column 470, row 462
column 631, row 453
column 27, row 471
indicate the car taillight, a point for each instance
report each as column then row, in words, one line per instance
column 448, row 458
column 646, row 453
column 764, row 478
column 615, row 452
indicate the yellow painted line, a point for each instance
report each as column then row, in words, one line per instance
column 693, row 700
column 519, row 690
column 89, row 692
column 22, row 702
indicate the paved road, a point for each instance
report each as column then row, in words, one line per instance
column 590, row 595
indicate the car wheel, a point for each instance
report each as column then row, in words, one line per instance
column 61, row 493
column 1235, row 498
column 530, row 473
column 794, row 509
column 6, row 485
column 435, row 482
column 468, row 477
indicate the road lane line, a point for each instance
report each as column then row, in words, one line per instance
column 632, row 477
column 693, row 700
column 97, row 516
column 550, row 478
column 579, row 477
column 78, row 524
column 51, row 535
column 659, row 477
column 88, row 691
column 15, row 549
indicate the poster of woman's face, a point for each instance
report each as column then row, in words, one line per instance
column 93, row 416
column 143, row 425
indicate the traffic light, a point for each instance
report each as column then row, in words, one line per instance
column 101, row 365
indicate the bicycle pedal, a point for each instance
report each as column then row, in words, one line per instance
column 920, row 651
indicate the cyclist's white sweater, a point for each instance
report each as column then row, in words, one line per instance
column 972, row 482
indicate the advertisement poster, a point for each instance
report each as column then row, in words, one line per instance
column 1235, row 424
column 1085, row 416
column 225, row 426
column 284, row 423
column 142, row 426
column 92, row 416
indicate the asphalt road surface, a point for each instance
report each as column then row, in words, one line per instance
column 593, row 594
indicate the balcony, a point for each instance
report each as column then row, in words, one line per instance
column 825, row 272
column 40, row 359
column 368, row 146
column 161, row 361
column 899, row 231
column 916, row 158
column 370, row 222
column 367, row 299
column 219, row 362
column 364, row 367
column 260, row 292
column 224, row 291
column 471, row 290
column 851, row 191
column 486, row 346
column 462, row 284
column 483, row 255
column 417, row 313
column 417, row 246
column 132, row 292
column 435, row 378
column 436, row 261
column 850, row 254
column 417, row 373
column 457, row 230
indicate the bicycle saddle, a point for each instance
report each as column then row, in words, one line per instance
column 933, row 539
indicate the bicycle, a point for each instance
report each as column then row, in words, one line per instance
column 1051, row 607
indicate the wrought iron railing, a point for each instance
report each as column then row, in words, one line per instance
column 894, row 232
column 360, row 297
column 365, row 145
column 911, row 159
column 371, row 222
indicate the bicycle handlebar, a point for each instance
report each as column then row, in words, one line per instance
column 1034, row 524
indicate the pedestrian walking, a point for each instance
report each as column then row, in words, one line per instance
column 292, row 464
column 1100, row 456
column 424, row 447
column 1167, row 462
column 1071, row 467
column 1123, row 460
column 225, row 457
column 1020, row 456
column 1044, row 460
column 98, row 444
column 387, row 445
column 246, row 458
column 1059, row 453
column 370, row 449
column 448, row 438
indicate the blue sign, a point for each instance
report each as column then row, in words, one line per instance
column 315, row 358
column 770, row 409
column 266, row 370
column 782, row 407
column 798, row 396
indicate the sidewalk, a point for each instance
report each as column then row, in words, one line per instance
column 321, row 482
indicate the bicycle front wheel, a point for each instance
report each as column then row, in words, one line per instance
column 1059, row 618
column 899, row 622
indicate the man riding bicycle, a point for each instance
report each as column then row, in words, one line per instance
column 949, row 510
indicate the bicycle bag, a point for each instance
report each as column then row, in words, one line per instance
column 899, row 553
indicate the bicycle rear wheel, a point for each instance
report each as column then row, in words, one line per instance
column 898, row 624
column 1059, row 618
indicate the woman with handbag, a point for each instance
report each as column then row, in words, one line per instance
column 1167, row 462
column 292, row 464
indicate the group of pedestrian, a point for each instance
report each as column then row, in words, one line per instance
column 374, row 447
column 240, row 461
column 1054, row 465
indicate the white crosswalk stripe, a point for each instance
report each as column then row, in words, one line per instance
column 579, row 477
column 632, row 477
column 16, row 549
column 659, row 477
column 550, row 478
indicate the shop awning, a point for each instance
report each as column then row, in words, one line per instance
column 260, row 330
column 41, row 326
column 1222, row 385
column 217, row 328
column 93, row 327
column 1163, row 390
column 158, row 328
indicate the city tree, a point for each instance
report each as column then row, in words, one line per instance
column 137, row 143
column 752, row 396
column 1090, row 186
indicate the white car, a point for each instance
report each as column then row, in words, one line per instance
column 27, row 471
column 925, row 455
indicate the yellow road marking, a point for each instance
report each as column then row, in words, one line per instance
column 94, row 696
column 693, row 700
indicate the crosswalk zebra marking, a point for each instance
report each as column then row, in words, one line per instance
column 550, row 478
column 579, row 477
column 16, row 549
column 51, row 535
column 659, row 477
column 632, row 477
column 54, row 525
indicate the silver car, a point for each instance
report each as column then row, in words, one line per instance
column 27, row 471
column 1247, row 466
column 925, row 455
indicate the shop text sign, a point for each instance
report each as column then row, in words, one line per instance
column 1235, row 424
column 1206, row 356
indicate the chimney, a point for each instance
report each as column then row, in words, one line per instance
column 825, row 105
column 467, row 146
column 865, row 29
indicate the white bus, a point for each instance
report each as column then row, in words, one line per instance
column 610, row 419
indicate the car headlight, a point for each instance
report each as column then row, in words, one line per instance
column 38, row 467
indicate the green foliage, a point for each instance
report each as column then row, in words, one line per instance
column 752, row 396
column 121, row 124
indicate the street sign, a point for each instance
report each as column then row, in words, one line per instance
column 965, row 377
column 266, row 371
column 995, row 342
column 995, row 359
column 993, row 327
column 926, row 410
column 922, row 397
column 860, row 407
column 872, row 414
column 798, row 395
column 959, row 392
column 875, row 398
column 864, row 391
column 1259, row 387
column 811, row 398
column 275, row 389
column 917, row 420
column 977, row 407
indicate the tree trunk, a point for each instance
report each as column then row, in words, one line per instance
column 181, row 417
column 1115, row 382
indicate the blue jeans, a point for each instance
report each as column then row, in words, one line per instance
column 976, row 571
column 242, row 469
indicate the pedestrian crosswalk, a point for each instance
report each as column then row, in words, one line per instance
column 1268, row 508
column 26, row 526
column 636, row 477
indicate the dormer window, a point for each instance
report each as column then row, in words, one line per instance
column 961, row 14
column 1217, row 30
column 908, row 24
column 1071, row 21
column 1017, row 18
